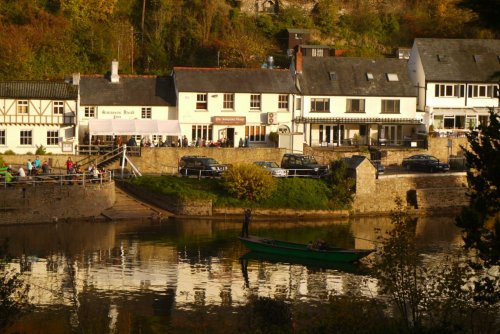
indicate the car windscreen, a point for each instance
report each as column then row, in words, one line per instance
column 309, row 160
column 210, row 161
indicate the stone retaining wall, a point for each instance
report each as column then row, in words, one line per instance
column 50, row 203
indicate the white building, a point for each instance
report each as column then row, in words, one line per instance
column 234, row 104
column 38, row 113
column 126, row 106
column 457, row 80
column 356, row 101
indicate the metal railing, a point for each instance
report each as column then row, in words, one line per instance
column 81, row 179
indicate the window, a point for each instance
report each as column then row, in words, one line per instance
column 283, row 101
column 333, row 76
column 392, row 77
column 355, row 105
column 320, row 105
column 2, row 137
column 454, row 122
column 255, row 102
column 26, row 137
column 201, row 102
column 255, row 133
column 228, row 101
column 202, row 132
column 480, row 91
column 390, row 106
column 470, row 122
column 298, row 103
column 89, row 112
column 146, row 112
column 53, row 137
column 22, row 107
column 449, row 90
column 369, row 76
column 317, row 53
column 58, row 107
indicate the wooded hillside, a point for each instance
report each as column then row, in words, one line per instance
column 50, row 39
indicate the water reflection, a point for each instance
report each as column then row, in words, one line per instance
column 137, row 268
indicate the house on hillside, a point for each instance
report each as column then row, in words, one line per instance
column 230, row 105
column 38, row 113
column 458, row 82
column 127, row 106
column 356, row 101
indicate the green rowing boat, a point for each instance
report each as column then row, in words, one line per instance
column 290, row 249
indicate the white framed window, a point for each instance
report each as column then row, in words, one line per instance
column 228, row 101
column 355, row 106
column 201, row 101
column 89, row 112
column 255, row 100
column 2, row 137
column 58, row 107
column 317, row 52
column 480, row 91
column 202, row 132
column 255, row 133
column 22, row 107
column 26, row 137
column 146, row 112
column 298, row 103
column 449, row 90
column 320, row 105
column 283, row 101
column 390, row 107
column 52, row 137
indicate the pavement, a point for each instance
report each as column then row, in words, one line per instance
column 128, row 207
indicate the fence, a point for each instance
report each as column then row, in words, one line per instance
column 83, row 179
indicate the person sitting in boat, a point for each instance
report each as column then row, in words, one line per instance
column 320, row 244
column 310, row 245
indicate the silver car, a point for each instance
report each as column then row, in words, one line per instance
column 276, row 171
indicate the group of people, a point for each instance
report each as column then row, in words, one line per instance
column 320, row 244
column 34, row 167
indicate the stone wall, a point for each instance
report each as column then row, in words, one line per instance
column 50, row 203
column 419, row 191
column 164, row 160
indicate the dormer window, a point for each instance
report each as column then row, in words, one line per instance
column 369, row 76
column 333, row 76
column 477, row 58
column 392, row 77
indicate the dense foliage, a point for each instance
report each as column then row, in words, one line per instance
column 248, row 181
column 49, row 39
column 481, row 219
column 341, row 185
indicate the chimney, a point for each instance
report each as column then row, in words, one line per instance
column 115, row 78
column 76, row 79
column 298, row 61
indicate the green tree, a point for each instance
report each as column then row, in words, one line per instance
column 325, row 15
column 480, row 220
column 341, row 186
column 250, row 182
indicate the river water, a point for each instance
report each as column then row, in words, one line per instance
column 114, row 277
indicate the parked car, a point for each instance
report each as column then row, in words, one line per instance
column 425, row 162
column 303, row 165
column 200, row 165
column 273, row 167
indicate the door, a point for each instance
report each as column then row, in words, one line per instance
column 391, row 134
column 230, row 137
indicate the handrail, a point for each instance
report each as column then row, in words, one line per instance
column 83, row 179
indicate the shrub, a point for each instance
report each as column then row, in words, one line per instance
column 9, row 152
column 40, row 150
column 247, row 181
column 342, row 186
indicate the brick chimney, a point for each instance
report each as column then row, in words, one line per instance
column 115, row 78
column 298, row 61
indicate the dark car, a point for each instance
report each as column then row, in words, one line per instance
column 303, row 165
column 200, row 165
column 425, row 162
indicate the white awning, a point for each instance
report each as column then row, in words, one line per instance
column 142, row 127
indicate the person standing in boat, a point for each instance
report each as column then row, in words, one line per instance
column 246, row 223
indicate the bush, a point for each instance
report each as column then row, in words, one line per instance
column 40, row 150
column 341, row 186
column 248, row 181
column 9, row 152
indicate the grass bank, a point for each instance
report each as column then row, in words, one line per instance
column 294, row 193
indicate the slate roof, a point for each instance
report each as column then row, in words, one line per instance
column 347, row 76
column 216, row 80
column 42, row 90
column 465, row 60
column 354, row 161
column 129, row 91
